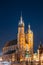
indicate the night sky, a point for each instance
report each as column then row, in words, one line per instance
column 10, row 12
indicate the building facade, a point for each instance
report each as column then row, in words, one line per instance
column 21, row 49
column 25, row 41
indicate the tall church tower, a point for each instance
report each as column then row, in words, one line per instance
column 30, row 41
column 21, row 37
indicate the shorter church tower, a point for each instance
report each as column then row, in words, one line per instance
column 30, row 41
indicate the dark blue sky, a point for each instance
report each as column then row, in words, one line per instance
column 10, row 12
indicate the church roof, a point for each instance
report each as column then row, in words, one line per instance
column 10, row 43
column 10, row 52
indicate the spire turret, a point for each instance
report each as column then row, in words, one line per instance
column 29, row 26
column 21, row 23
column 29, row 29
column 21, row 20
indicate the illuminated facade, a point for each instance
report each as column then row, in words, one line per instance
column 21, row 49
column 25, row 41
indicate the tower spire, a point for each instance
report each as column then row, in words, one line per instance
column 29, row 26
column 21, row 23
column 21, row 20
